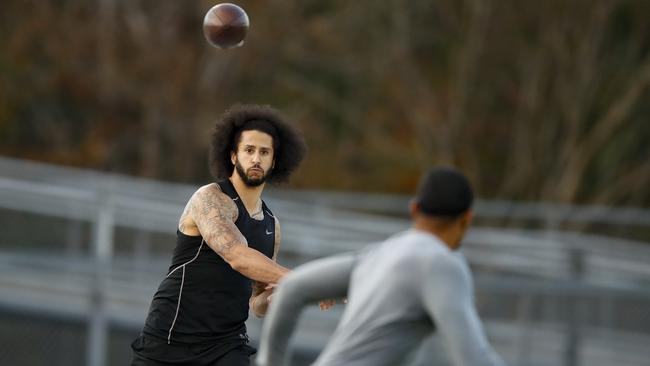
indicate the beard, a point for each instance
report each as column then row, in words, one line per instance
column 248, row 180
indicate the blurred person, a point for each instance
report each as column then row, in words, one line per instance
column 412, row 285
column 226, row 247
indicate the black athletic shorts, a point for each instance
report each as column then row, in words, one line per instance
column 150, row 351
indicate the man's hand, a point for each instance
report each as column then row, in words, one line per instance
column 326, row 304
column 259, row 303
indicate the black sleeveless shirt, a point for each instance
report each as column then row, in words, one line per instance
column 203, row 299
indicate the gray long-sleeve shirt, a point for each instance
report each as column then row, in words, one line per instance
column 398, row 293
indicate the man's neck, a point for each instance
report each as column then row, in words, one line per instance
column 446, row 235
column 250, row 196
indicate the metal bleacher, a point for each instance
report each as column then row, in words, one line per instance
column 549, row 296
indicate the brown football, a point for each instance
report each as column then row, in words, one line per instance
column 225, row 25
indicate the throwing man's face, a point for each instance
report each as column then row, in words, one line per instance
column 254, row 157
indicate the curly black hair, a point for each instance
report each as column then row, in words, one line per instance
column 288, row 143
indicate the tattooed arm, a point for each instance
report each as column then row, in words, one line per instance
column 213, row 213
column 259, row 301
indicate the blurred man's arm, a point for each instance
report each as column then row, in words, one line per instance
column 447, row 294
column 326, row 278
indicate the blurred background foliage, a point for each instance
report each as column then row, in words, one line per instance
column 543, row 101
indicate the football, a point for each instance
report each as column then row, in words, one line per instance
column 225, row 26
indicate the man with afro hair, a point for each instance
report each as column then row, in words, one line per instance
column 224, row 262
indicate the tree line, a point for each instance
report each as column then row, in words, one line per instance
column 537, row 101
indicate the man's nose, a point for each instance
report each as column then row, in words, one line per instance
column 257, row 157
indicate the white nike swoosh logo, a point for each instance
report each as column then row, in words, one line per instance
column 269, row 232
column 235, row 199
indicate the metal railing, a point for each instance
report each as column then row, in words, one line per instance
column 548, row 296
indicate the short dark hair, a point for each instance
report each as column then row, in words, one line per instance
column 288, row 144
column 444, row 192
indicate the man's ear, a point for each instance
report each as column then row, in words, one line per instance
column 233, row 157
column 469, row 216
column 414, row 208
column 466, row 219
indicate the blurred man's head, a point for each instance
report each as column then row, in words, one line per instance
column 443, row 203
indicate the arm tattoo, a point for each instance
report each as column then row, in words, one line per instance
column 214, row 214
column 184, row 216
